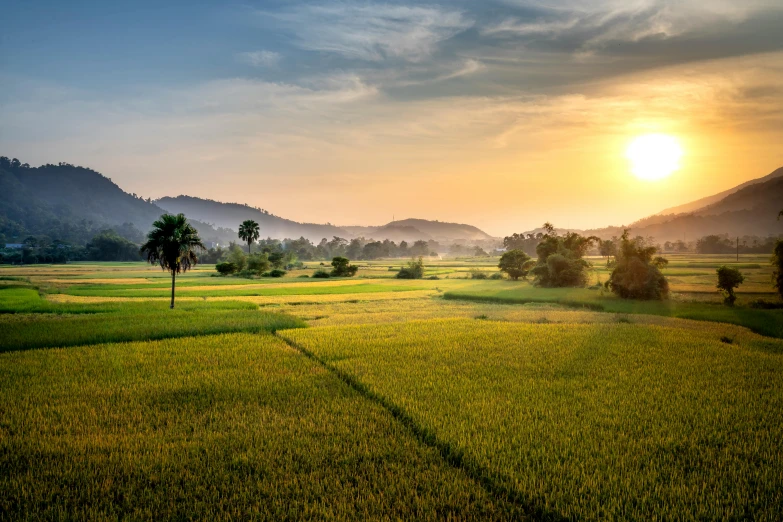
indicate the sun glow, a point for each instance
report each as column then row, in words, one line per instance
column 654, row 156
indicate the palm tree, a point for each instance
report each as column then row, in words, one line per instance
column 248, row 231
column 172, row 243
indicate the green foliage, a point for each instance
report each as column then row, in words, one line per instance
column 276, row 259
column 343, row 268
column 476, row 273
column 728, row 279
column 172, row 243
column 237, row 257
column 516, row 264
column 109, row 246
column 496, row 276
column 226, row 268
column 560, row 262
column 248, row 232
column 258, row 263
column 414, row 270
column 321, row 274
column 276, row 272
column 777, row 263
column 636, row 275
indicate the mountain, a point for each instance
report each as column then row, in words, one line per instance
column 230, row 215
column 749, row 209
column 73, row 204
column 709, row 200
column 443, row 231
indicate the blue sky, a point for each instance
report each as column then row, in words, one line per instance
column 321, row 111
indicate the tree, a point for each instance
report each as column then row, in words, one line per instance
column 248, row 232
column 516, row 264
column 637, row 274
column 172, row 243
column 237, row 256
column 109, row 246
column 728, row 279
column 258, row 263
column 343, row 268
column 277, row 259
column 560, row 262
column 777, row 262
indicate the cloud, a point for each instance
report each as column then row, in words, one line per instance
column 371, row 32
column 260, row 58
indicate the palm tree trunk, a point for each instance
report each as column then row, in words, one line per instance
column 173, row 276
column 248, row 248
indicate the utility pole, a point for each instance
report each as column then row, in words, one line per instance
column 737, row 249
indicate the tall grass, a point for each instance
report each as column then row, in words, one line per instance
column 229, row 427
column 587, row 422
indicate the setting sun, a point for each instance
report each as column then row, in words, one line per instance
column 654, row 156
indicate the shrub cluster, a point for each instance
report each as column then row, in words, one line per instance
column 560, row 262
column 414, row 270
column 636, row 274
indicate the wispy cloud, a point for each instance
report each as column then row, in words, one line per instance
column 260, row 58
column 372, row 32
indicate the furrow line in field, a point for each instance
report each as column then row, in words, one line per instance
column 451, row 454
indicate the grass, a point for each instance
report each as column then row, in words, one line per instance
column 765, row 322
column 501, row 400
column 29, row 301
column 222, row 427
column 247, row 290
column 590, row 422
column 24, row 333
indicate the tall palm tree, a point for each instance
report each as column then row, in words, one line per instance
column 248, row 231
column 172, row 243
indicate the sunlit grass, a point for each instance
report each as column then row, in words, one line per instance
column 589, row 422
column 229, row 427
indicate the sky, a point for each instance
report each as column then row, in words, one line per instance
column 499, row 113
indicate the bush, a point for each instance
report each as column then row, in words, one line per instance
column 275, row 273
column 247, row 274
column 433, row 278
column 343, row 268
column 304, row 275
column 636, row 274
column 321, row 274
column 258, row 263
column 414, row 270
column 496, row 275
column 226, row 268
column 238, row 257
column 475, row 273
column 728, row 279
column 515, row 263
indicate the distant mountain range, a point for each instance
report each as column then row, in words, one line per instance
column 72, row 203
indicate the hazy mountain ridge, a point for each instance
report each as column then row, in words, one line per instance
column 73, row 203
column 715, row 198
column 749, row 209
column 230, row 215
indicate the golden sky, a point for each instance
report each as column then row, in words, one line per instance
column 352, row 113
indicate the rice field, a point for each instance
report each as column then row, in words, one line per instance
column 375, row 398
column 589, row 422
